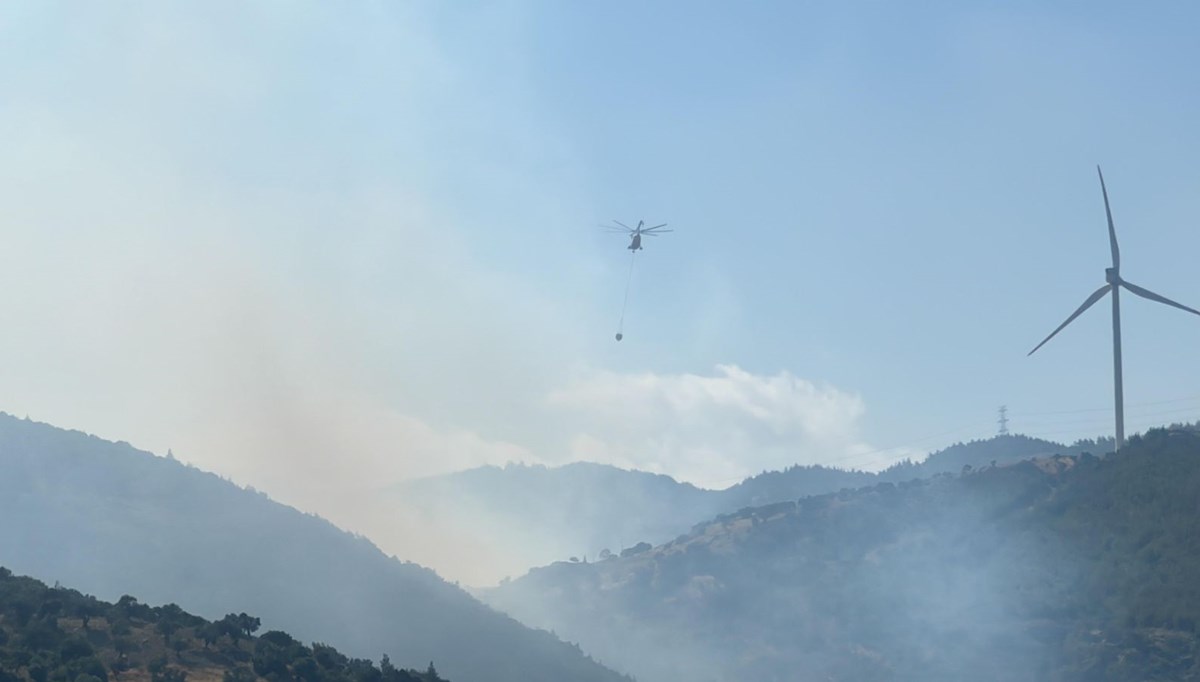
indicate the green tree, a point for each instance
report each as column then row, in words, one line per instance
column 126, row 605
column 305, row 668
column 209, row 633
column 179, row 645
column 328, row 657
column 41, row 635
column 166, row 627
column 271, row 655
column 22, row 611
column 73, row 648
column 38, row 671
column 89, row 665
column 388, row 670
column 248, row 624
column 230, row 626
column 362, row 670
column 85, row 609
column 51, row 607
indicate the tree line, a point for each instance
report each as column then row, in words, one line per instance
column 56, row 634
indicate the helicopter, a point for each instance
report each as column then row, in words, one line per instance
column 635, row 245
column 636, row 233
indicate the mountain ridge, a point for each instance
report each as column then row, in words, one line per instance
column 1069, row 567
column 114, row 520
column 587, row 510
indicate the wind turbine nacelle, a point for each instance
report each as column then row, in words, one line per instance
column 1111, row 276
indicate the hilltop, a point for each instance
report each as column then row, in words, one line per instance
column 1057, row 568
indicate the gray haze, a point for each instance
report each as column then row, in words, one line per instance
column 933, row 580
column 325, row 248
column 520, row 517
column 109, row 520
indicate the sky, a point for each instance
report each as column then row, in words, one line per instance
column 320, row 248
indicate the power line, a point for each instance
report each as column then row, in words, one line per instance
column 1108, row 409
column 1100, row 420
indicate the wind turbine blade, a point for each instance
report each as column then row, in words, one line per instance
column 1145, row 293
column 1112, row 231
column 1099, row 294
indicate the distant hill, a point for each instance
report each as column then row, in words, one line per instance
column 801, row 481
column 55, row 633
column 545, row 514
column 1064, row 568
column 111, row 520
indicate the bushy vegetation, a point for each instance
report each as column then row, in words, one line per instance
column 1071, row 568
column 53, row 634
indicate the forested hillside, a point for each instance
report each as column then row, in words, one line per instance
column 1062, row 568
column 544, row 514
column 56, row 634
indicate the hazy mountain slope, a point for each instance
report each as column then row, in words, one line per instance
column 58, row 633
column 978, row 453
column 549, row 514
column 111, row 520
column 800, row 481
column 1064, row 569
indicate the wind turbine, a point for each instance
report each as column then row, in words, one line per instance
column 1115, row 283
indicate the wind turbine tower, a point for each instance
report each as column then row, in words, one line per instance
column 1114, row 284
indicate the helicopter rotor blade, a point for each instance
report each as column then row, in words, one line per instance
column 655, row 227
column 623, row 225
column 656, row 231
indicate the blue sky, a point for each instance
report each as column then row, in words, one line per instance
column 316, row 246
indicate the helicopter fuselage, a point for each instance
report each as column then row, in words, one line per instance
column 636, row 244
